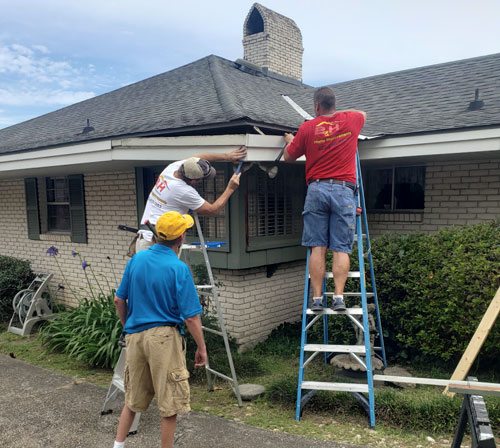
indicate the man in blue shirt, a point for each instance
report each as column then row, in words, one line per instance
column 156, row 297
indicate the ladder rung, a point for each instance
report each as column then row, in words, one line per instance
column 346, row 387
column 211, row 330
column 351, row 294
column 350, row 274
column 363, row 235
column 191, row 247
column 219, row 374
column 204, row 286
column 334, row 348
column 356, row 311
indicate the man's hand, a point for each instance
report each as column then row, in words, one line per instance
column 288, row 138
column 234, row 182
column 200, row 357
column 237, row 154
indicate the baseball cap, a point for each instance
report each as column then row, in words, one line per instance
column 172, row 225
column 196, row 168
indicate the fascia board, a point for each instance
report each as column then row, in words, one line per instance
column 431, row 145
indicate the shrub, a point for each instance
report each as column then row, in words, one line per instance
column 15, row 275
column 89, row 332
column 433, row 291
column 425, row 410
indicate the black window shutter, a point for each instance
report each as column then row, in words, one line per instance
column 144, row 182
column 77, row 209
column 33, row 217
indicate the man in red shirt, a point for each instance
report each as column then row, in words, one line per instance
column 329, row 144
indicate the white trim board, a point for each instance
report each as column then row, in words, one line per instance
column 127, row 153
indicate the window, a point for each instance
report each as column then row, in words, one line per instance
column 274, row 206
column 394, row 189
column 214, row 228
column 58, row 213
column 56, row 205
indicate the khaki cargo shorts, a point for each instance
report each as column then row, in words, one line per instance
column 156, row 365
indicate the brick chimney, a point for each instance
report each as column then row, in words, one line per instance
column 273, row 41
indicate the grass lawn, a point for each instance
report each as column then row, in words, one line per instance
column 265, row 413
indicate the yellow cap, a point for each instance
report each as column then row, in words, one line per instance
column 172, row 225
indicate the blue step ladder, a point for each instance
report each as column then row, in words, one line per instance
column 362, row 392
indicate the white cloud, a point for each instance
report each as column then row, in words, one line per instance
column 41, row 48
column 22, row 61
column 47, row 97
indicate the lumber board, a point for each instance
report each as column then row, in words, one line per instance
column 476, row 341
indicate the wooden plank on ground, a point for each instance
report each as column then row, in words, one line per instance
column 477, row 341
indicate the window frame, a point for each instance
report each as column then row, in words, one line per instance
column 393, row 168
column 47, row 204
column 297, row 187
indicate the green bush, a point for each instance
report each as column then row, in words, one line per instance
column 433, row 291
column 15, row 275
column 425, row 410
column 89, row 332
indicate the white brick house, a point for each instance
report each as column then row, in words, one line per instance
column 70, row 177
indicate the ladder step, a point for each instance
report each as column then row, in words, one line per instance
column 346, row 387
column 205, row 286
column 350, row 274
column 211, row 330
column 351, row 294
column 334, row 348
column 363, row 235
column 221, row 375
column 353, row 311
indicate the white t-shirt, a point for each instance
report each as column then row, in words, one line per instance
column 169, row 195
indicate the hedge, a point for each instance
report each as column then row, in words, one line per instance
column 433, row 290
column 15, row 274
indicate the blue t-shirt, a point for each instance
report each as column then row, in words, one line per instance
column 159, row 290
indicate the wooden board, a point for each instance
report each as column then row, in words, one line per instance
column 476, row 342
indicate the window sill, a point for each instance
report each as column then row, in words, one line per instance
column 399, row 216
column 59, row 237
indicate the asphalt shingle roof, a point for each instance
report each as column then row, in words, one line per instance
column 214, row 91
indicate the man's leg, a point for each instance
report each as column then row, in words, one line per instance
column 126, row 419
column 340, row 269
column 168, row 431
column 317, row 269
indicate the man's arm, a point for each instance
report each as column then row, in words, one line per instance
column 213, row 209
column 194, row 326
column 121, row 309
column 233, row 156
column 286, row 156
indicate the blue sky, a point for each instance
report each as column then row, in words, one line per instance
column 57, row 52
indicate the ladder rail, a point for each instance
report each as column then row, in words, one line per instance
column 220, row 319
column 370, row 258
column 303, row 339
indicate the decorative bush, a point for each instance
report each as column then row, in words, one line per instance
column 90, row 331
column 15, row 275
column 433, row 291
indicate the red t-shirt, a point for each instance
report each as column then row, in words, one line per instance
column 329, row 144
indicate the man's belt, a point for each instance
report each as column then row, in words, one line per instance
column 336, row 182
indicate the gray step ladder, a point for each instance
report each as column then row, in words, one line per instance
column 209, row 290
column 362, row 353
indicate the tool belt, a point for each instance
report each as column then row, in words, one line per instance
column 336, row 182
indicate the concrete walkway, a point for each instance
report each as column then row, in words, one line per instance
column 42, row 409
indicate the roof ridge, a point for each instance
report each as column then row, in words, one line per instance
column 423, row 67
column 227, row 100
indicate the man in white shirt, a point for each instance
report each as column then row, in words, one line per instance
column 174, row 190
